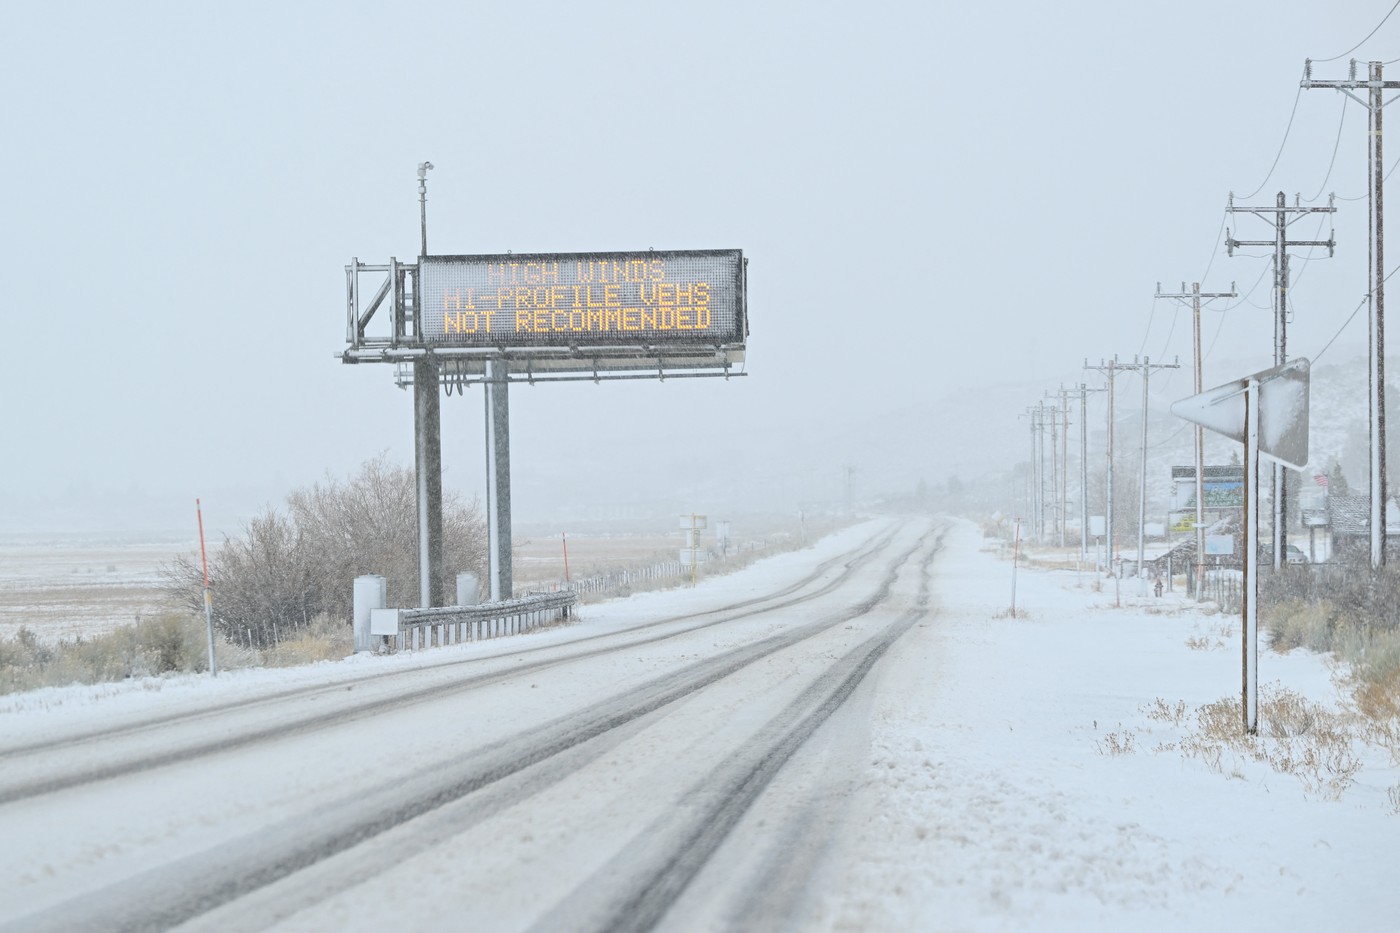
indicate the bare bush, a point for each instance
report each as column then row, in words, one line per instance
column 290, row 568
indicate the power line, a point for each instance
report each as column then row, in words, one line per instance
column 1214, row 251
column 1218, row 328
column 1363, row 41
column 1171, row 330
column 1349, row 319
column 1284, row 142
column 1335, row 146
column 1151, row 314
column 1244, row 299
column 1362, row 197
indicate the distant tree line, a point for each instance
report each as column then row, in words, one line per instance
column 291, row 566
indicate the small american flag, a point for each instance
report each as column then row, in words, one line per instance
column 1321, row 480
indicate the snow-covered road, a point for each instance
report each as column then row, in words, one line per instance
column 584, row 781
column 851, row 737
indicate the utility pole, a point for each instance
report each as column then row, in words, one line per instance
column 1084, row 391
column 1374, row 103
column 1196, row 295
column 1282, row 216
column 1145, row 367
column 1059, row 474
column 1038, row 416
column 1047, row 418
column 1033, row 490
column 1064, row 462
column 1109, row 370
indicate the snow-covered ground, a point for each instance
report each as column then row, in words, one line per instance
column 995, row 801
column 988, row 773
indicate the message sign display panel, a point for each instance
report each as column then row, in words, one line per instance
column 651, row 298
column 1220, row 545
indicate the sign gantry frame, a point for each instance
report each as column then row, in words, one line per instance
column 454, row 321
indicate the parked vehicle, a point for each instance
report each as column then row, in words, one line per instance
column 1292, row 554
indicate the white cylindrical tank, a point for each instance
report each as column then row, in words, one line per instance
column 371, row 592
column 468, row 589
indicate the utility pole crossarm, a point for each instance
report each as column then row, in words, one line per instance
column 1280, row 214
column 1231, row 244
column 1353, row 83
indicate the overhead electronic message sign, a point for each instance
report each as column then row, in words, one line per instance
column 647, row 298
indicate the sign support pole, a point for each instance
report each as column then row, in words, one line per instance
column 1239, row 410
column 427, row 447
column 498, row 477
column 1249, row 630
column 427, row 450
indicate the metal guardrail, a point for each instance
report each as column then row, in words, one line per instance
column 451, row 625
column 626, row 577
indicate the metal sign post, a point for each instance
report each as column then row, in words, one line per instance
column 498, row 479
column 1249, row 628
column 1268, row 413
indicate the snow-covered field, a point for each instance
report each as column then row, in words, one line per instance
column 987, row 773
column 64, row 589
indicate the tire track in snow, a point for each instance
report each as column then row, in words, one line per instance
column 183, row 890
column 855, row 557
column 663, row 860
column 67, row 774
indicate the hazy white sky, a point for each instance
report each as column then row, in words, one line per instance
column 932, row 196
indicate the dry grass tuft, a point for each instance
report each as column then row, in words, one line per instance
column 325, row 639
column 159, row 644
column 1163, row 711
column 1118, row 743
column 1300, row 624
column 1296, row 737
column 166, row 643
column 1376, row 693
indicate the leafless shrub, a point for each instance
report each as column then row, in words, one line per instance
column 289, row 568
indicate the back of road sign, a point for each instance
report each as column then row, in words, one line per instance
column 1283, row 411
